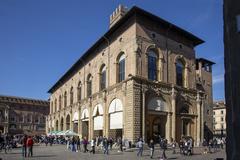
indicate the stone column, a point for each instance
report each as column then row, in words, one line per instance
column 173, row 113
column 64, row 121
column 144, row 115
column 105, row 114
column 71, row 122
column 79, row 122
column 161, row 70
column 168, row 127
column 202, row 120
column 90, row 129
column 198, row 120
column 186, row 76
column 50, row 107
column 135, row 63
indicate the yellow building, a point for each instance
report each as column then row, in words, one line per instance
column 219, row 118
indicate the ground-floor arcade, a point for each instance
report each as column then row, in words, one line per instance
column 148, row 113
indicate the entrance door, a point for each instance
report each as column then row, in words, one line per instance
column 157, row 127
column 75, row 127
column 85, row 128
column 185, row 127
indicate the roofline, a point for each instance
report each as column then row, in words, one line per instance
column 24, row 98
column 205, row 60
column 131, row 12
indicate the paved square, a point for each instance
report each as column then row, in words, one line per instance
column 59, row 152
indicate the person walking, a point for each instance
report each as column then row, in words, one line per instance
column 110, row 143
column 151, row 146
column 78, row 144
column 174, row 144
column 204, row 144
column 73, row 146
column 164, row 147
column 93, row 146
column 140, row 147
column 120, row 144
column 105, row 145
column 85, row 143
column 24, row 145
column 30, row 146
column 181, row 144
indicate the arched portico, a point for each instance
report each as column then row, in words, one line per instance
column 98, row 120
column 115, row 118
column 85, row 123
column 157, row 120
column 75, row 121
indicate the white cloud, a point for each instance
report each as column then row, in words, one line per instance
column 218, row 78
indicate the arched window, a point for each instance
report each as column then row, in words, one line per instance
column 179, row 73
column 65, row 99
column 55, row 105
column 121, row 68
column 103, row 77
column 152, row 65
column 60, row 102
column 79, row 91
column 89, row 85
column 71, row 96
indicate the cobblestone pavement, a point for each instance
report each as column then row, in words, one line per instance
column 59, row 152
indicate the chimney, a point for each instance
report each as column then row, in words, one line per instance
column 119, row 12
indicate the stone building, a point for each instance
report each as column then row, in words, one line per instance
column 140, row 79
column 23, row 115
column 219, row 119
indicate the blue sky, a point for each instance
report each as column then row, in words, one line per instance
column 41, row 39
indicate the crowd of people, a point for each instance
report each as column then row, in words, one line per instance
column 104, row 144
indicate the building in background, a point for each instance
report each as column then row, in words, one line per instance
column 204, row 84
column 219, row 119
column 140, row 79
column 23, row 115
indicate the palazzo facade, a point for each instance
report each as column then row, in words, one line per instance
column 23, row 115
column 140, row 79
